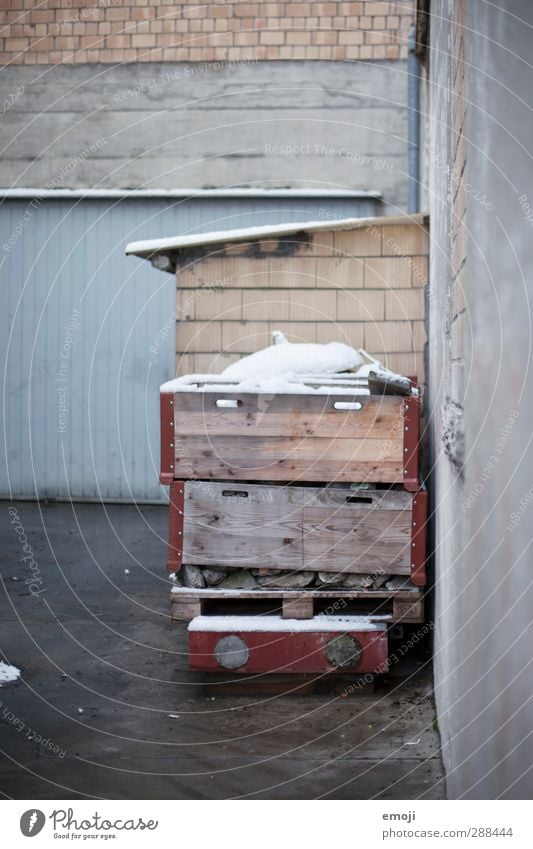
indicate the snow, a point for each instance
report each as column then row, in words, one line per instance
column 283, row 368
column 321, row 623
column 289, row 368
column 269, row 386
column 294, row 358
column 151, row 246
column 8, row 673
column 242, row 234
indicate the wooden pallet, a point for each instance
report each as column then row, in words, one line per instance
column 398, row 606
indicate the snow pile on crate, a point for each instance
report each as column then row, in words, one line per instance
column 286, row 385
column 291, row 358
column 290, row 368
column 8, row 673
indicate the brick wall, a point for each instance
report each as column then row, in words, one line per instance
column 364, row 287
column 111, row 31
column 458, row 228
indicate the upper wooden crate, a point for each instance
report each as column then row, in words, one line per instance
column 289, row 438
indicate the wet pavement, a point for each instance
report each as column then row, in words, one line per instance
column 106, row 707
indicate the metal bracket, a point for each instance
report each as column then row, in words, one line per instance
column 411, row 431
column 418, row 538
column 166, row 474
column 176, row 509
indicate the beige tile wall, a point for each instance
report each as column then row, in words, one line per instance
column 364, row 287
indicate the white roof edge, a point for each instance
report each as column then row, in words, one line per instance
column 25, row 193
column 151, row 247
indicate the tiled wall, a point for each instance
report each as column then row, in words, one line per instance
column 364, row 287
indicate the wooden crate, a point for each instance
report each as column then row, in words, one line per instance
column 253, row 526
column 290, row 438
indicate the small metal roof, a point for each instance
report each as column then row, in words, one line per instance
column 153, row 248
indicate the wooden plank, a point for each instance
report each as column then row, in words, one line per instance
column 313, row 403
column 260, row 593
column 283, row 416
column 323, row 422
column 343, row 424
column 285, row 459
column 298, row 608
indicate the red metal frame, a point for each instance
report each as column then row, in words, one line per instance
column 288, row 652
column 411, row 432
column 166, row 475
column 175, row 526
column 418, row 538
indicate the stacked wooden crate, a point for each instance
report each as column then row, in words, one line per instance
column 321, row 486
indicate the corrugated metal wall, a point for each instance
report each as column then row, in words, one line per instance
column 87, row 336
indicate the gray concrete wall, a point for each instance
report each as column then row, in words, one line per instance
column 166, row 125
column 481, row 395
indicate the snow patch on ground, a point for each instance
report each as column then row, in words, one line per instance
column 8, row 673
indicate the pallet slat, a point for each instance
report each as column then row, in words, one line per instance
column 404, row 606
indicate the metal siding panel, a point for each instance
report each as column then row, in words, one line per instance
column 70, row 255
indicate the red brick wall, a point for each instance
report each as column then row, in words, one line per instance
column 458, row 196
column 78, row 31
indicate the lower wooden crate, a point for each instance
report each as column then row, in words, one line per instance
column 326, row 529
column 394, row 606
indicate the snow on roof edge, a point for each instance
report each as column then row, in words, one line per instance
column 151, row 247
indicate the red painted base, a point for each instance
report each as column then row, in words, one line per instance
column 287, row 652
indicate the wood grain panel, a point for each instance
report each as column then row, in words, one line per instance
column 297, row 528
column 280, row 459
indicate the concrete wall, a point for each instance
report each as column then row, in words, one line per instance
column 168, row 125
column 364, row 287
column 480, row 397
